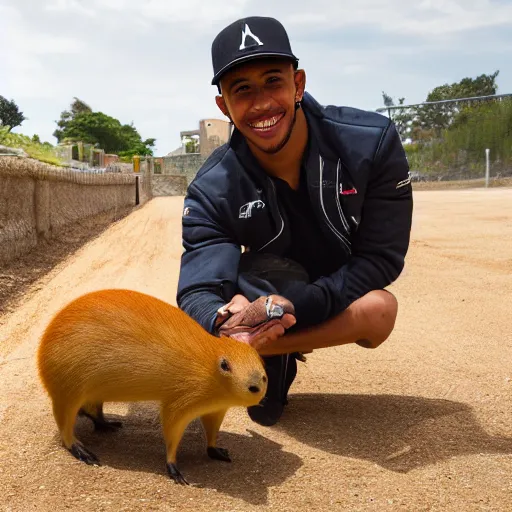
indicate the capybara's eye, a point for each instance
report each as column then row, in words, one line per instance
column 225, row 365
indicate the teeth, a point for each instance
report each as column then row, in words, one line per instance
column 266, row 124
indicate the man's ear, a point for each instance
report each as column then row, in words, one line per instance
column 222, row 106
column 300, row 83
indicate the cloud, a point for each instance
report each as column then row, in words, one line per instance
column 172, row 12
column 196, row 12
column 25, row 71
column 69, row 6
column 429, row 18
column 148, row 61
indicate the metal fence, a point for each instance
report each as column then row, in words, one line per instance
column 457, row 139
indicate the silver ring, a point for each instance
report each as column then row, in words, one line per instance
column 273, row 310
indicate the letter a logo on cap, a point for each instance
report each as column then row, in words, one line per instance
column 247, row 32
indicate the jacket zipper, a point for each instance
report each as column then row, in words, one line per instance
column 280, row 216
column 340, row 210
column 343, row 240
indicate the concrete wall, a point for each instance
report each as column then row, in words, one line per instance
column 37, row 200
column 18, row 225
column 183, row 165
column 144, row 180
column 122, row 167
column 109, row 159
column 212, row 134
column 163, row 185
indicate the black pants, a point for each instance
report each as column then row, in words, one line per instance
column 263, row 274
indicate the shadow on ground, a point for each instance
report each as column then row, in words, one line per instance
column 139, row 446
column 399, row 433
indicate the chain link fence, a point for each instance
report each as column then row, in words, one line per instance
column 460, row 139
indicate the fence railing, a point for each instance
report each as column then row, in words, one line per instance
column 457, row 139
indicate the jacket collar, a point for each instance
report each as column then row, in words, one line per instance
column 318, row 126
column 239, row 145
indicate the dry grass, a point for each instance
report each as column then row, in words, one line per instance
column 479, row 183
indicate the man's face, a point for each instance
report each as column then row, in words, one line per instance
column 259, row 97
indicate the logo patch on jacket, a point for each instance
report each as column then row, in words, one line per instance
column 348, row 191
column 404, row 183
column 246, row 210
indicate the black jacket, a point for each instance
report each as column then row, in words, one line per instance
column 359, row 184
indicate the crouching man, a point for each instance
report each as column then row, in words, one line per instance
column 292, row 229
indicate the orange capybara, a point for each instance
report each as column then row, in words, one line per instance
column 123, row 346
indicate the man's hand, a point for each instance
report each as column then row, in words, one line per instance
column 265, row 319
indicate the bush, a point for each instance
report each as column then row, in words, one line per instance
column 44, row 152
column 459, row 152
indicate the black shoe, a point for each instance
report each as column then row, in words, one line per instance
column 281, row 372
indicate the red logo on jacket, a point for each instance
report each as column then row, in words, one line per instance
column 348, row 192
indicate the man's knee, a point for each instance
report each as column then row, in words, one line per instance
column 379, row 311
column 384, row 308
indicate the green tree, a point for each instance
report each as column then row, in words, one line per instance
column 10, row 114
column 81, row 123
column 142, row 148
column 438, row 117
column 77, row 107
column 192, row 146
column 96, row 128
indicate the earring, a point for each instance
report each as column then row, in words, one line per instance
column 297, row 105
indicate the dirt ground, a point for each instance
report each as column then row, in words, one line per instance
column 18, row 276
column 422, row 423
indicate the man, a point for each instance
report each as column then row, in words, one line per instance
column 298, row 224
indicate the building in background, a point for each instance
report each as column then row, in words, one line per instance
column 184, row 162
column 211, row 134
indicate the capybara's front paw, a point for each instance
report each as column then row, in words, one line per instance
column 175, row 474
column 79, row 451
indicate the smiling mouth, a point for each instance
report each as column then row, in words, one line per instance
column 266, row 124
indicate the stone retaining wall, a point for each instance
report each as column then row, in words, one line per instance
column 37, row 200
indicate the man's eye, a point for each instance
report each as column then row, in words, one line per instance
column 242, row 88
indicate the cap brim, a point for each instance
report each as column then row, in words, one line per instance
column 246, row 58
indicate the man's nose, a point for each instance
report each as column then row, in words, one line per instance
column 262, row 99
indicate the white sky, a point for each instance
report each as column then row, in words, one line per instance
column 149, row 61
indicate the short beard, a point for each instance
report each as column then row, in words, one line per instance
column 275, row 149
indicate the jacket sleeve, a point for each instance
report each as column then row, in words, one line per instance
column 209, row 263
column 379, row 245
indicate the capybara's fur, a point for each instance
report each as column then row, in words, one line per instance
column 122, row 346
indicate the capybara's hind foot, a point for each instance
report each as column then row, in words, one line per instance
column 107, row 426
column 175, row 474
column 79, row 451
column 101, row 424
column 218, row 454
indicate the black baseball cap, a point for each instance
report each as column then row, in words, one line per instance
column 247, row 39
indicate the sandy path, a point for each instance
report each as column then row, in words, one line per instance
column 422, row 423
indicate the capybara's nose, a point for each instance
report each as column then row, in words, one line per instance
column 254, row 389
